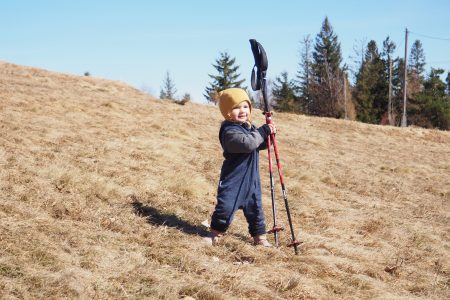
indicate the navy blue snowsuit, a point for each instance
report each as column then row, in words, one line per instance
column 240, row 184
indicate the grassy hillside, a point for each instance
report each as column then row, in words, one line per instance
column 103, row 191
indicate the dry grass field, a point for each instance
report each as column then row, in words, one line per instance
column 104, row 189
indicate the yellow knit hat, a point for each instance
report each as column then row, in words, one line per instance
column 230, row 98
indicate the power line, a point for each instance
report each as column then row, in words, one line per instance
column 430, row 37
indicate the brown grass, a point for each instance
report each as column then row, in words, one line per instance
column 103, row 191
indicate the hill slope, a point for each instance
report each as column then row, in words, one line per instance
column 103, row 191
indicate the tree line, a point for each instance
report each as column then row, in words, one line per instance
column 321, row 86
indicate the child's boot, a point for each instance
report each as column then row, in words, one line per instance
column 213, row 238
column 261, row 240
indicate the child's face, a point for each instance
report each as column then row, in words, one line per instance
column 241, row 113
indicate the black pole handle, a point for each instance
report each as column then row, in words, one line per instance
column 258, row 78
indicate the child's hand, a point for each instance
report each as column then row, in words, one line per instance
column 273, row 129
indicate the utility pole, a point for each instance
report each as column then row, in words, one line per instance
column 405, row 76
column 391, row 120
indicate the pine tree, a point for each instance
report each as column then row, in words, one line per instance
column 416, row 66
column 417, row 59
column 434, row 85
column 437, row 109
column 362, row 94
column 283, row 94
column 431, row 107
column 380, row 88
column 326, row 86
column 371, row 90
column 327, row 51
column 227, row 77
column 168, row 90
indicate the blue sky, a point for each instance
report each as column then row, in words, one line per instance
column 137, row 42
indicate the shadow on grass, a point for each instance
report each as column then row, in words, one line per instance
column 157, row 217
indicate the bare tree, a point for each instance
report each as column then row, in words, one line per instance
column 304, row 74
column 328, row 92
column 358, row 58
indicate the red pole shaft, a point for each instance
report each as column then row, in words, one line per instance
column 294, row 242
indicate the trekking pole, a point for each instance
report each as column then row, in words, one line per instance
column 259, row 83
column 275, row 229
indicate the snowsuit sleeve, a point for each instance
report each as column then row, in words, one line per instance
column 236, row 141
